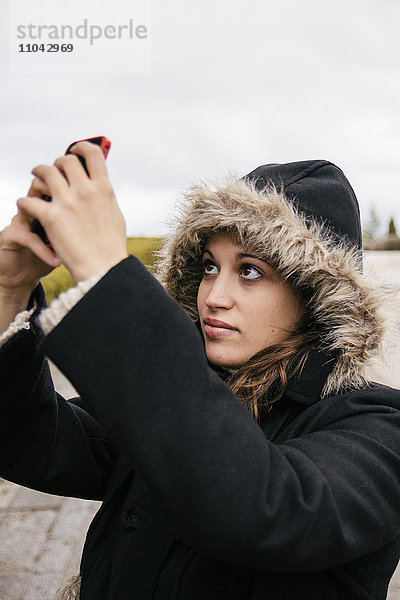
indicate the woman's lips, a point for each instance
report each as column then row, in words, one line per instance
column 214, row 328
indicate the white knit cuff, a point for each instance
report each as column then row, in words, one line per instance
column 51, row 316
column 21, row 321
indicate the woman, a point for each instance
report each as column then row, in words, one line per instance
column 251, row 461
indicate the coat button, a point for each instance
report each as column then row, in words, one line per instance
column 133, row 517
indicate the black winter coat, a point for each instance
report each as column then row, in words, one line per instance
column 199, row 501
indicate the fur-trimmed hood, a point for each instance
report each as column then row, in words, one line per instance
column 302, row 246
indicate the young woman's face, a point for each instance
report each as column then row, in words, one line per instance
column 243, row 305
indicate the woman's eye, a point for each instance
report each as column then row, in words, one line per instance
column 209, row 268
column 250, row 273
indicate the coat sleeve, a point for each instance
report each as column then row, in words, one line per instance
column 46, row 442
column 322, row 499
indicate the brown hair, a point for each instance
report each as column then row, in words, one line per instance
column 262, row 380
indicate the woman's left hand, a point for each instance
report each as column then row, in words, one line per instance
column 83, row 221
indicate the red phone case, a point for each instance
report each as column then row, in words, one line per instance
column 101, row 141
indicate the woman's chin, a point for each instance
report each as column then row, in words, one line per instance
column 224, row 362
column 226, row 355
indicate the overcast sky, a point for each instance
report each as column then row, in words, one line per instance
column 233, row 84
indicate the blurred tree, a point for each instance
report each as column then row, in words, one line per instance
column 392, row 228
column 371, row 228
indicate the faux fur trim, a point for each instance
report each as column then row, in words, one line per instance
column 344, row 304
column 70, row 590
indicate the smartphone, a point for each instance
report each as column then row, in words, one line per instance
column 101, row 141
column 105, row 145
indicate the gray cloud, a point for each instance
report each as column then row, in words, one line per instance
column 233, row 85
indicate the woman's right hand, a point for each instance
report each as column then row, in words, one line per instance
column 24, row 258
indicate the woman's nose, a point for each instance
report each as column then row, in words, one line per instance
column 220, row 294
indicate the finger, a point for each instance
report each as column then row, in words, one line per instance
column 34, row 243
column 22, row 220
column 33, row 208
column 94, row 158
column 52, row 178
column 27, row 239
column 72, row 169
column 38, row 188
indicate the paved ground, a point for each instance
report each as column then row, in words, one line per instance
column 41, row 536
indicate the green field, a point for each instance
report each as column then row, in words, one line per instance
column 60, row 279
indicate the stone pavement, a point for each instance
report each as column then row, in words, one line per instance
column 41, row 536
column 41, row 541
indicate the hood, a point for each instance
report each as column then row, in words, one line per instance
column 315, row 246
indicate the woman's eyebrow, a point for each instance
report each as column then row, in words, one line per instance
column 241, row 255
column 238, row 256
column 208, row 252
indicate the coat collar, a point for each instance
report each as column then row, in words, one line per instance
column 307, row 385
